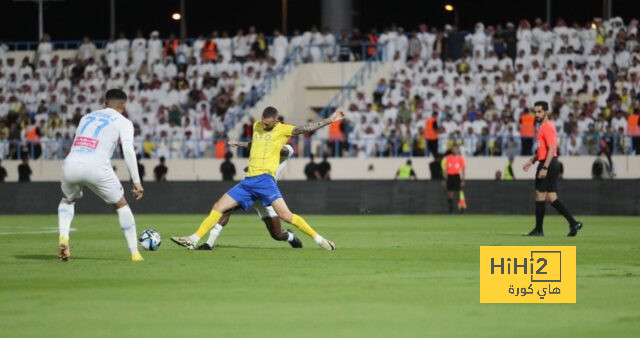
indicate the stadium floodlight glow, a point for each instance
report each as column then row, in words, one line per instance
column 448, row 7
column 176, row 16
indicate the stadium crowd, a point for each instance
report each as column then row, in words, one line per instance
column 477, row 90
column 447, row 87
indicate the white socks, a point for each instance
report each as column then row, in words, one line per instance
column 194, row 238
column 213, row 235
column 128, row 226
column 65, row 216
column 291, row 236
column 318, row 239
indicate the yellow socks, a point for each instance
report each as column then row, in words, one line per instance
column 208, row 223
column 63, row 240
column 301, row 224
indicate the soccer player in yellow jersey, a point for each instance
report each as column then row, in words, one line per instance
column 269, row 136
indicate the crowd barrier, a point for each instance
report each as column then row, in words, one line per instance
column 582, row 197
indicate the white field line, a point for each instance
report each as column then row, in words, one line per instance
column 35, row 232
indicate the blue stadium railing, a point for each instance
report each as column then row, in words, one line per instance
column 370, row 147
column 357, row 80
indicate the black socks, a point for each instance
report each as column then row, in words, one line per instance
column 540, row 208
column 563, row 210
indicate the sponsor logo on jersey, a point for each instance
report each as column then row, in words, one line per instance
column 86, row 142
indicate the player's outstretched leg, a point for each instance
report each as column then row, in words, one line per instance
column 271, row 220
column 65, row 216
column 128, row 226
column 285, row 214
column 223, row 204
column 275, row 230
column 215, row 232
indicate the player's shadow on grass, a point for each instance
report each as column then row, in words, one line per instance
column 54, row 257
column 251, row 247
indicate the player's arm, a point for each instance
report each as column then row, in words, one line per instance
column 285, row 154
column 126, row 137
column 315, row 125
column 236, row 143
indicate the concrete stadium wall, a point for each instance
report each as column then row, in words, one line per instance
column 626, row 167
column 612, row 197
column 308, row 86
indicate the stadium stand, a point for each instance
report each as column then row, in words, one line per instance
column 472, row 89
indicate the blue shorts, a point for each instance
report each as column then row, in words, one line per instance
column 262, row 187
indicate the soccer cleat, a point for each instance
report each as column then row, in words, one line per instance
column 295, row 242
column 136, row 257
column 573, row 229
column 63, row 249
column 327, row 244
column 204, row 246
column 534, row 232
column 185, row 242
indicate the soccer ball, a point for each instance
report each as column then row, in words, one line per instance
column 150, row 240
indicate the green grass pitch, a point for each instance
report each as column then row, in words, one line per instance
column 392, row 276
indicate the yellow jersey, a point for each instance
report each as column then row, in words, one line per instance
column 265, row 148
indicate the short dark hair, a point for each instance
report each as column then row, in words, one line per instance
column 269, row 112
column 543, row 104
column 115, row 95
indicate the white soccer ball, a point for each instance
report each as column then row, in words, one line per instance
column 150, row 240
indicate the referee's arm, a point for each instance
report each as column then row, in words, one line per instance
column 530, row 162
column 547, row 161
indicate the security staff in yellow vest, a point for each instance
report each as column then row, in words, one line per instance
column 405, row 172
column 508, row 171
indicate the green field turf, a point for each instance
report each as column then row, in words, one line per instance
column 392, row 276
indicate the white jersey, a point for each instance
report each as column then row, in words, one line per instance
column 97, row 136
column 283, row 161
column 89, row 162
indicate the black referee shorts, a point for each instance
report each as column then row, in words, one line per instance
column 550, row 182
column 453, row 182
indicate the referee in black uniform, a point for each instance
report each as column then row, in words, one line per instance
column 547, row 172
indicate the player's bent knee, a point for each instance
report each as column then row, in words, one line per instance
column 67, row 201
column 218, row 207
column 121, row 203
column 286, row 216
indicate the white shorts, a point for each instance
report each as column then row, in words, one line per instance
column 264, row 212
column 99, row 178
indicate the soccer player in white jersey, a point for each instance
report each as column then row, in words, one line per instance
column 89, row 164
column 266, row 213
